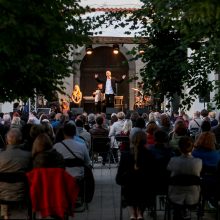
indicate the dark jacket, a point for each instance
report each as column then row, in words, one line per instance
column 136, row 184
column 113, row 83
column 13, row 159
column 48, row 159
column 98, row 131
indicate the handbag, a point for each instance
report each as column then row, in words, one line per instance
column 88, row 176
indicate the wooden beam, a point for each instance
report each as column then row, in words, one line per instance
column 117, row 40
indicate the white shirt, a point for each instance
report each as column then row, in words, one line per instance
column 98, row 95
column 108, row 87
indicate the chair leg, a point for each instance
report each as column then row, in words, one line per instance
column 218, row 210
column 121, row 211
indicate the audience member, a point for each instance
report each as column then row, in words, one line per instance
column 205, row 149
column 213, row 120
column 85, row 135
column 79, row 149
column 133, row 175
column 151, row 128
column 13, row 159
column 180, row 131
column 44, row 155
column 185, row 164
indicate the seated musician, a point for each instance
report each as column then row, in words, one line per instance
column 64, row 105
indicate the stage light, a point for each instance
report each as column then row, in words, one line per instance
column 115, row 48
column 89, row 50
column 141, row 49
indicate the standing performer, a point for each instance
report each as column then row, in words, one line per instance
column 76, row 96
column 109, row 87
column 99, row 98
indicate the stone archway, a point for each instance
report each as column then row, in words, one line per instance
column 101, row 60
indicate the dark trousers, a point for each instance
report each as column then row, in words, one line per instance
column 98, row 107
column 109, row 100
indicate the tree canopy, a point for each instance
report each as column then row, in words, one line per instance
column 171, row 28
column 37, row 37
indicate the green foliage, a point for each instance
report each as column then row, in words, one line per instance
column 171, row 27
column 37, row 37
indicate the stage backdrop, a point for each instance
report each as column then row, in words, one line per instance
column 101, row 60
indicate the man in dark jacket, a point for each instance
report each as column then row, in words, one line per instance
column 13, row 159
column 109, row 87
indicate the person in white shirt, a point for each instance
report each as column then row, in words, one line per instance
column 99, row 98
column 109, row 87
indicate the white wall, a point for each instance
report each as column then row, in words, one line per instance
column 6, row 107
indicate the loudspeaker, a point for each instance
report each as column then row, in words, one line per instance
column 77, row 111
column 140, row 111
column 109, row 110
column 44, row 111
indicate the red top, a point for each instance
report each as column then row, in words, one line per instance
column 53, row 192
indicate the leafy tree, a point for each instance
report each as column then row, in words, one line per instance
column 170, row 28
column 37, row 37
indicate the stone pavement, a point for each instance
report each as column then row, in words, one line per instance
column 106, row 200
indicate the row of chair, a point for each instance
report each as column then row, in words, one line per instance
column 208, row 192
column 102, row 146
column 49, row 186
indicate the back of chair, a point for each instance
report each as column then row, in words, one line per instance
column 100, row 144
column 124, row 142
column 124, row 139
column 13, row 178
column 185, row 180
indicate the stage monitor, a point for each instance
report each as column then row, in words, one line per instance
column 109, row 111
column 77, row 111
column 45, row 111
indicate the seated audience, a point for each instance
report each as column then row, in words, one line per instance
column 13, row 159
column 79, row 149
column 82, row 133
column 185, row 164
column 205, row 149
column 125, row 132
column 99, row 131
column 161, row 154
column 165, row 124
column 213, row 120
column 116, row 129
column 44, row 155
column 180, row 131
column 151, row 128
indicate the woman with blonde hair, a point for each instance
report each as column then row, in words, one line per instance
column 205, row 149
column 134, row 176
column 76, row 96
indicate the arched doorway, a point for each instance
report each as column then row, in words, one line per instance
column 103, row 59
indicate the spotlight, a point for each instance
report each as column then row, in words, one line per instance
column 89, row 50
column 141, row 49
column 115, row 48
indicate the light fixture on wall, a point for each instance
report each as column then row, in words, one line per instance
column 115, row 48
column 89, row 50
column 141, row 49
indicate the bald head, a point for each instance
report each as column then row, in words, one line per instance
column 14, row 136
column 108, row 74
